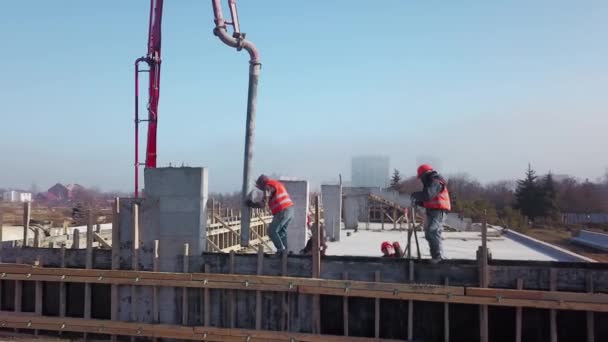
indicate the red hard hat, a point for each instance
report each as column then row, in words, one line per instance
column 424, row 168
column 386, row 245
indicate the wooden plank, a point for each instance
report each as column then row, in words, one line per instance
column 186, row 261
column 27, row 215
column 258, row 294
column 394, row 218
column 553, row 312
column 115, row 260
column 99, row 239
column 518, row 314
column 207, row 308
column 76, row 239
column 135, row 260
column 259, row 236
column 590, row 315
column 316, row 268
column 88, row 264
column 410, row 305
column 345, row 308
column 155, row 289
column 62, row 286
column 446, row 316
column 231, row 295
column 286, row 296
column 377, row 309
column 212, row 244
column 482, row 256
column 166, row 331
column 36, row 237
column 38, row 300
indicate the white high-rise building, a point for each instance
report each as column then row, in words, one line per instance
column 370, row 171
column 17, row 196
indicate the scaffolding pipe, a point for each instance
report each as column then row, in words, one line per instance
column 238, row 41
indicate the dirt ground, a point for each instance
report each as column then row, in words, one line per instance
column 561, row 238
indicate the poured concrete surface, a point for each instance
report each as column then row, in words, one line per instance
column 456, row 245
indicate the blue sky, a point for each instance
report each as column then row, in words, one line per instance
column 484, row 87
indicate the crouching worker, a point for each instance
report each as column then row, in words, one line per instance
column 281, row 206
column 391, row 250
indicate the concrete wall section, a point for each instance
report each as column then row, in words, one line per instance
column 296, row 232
column 332, row 210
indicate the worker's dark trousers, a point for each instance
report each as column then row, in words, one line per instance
column 433, row 228
column 277, row 230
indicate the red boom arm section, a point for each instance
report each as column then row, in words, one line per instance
column 153, row 61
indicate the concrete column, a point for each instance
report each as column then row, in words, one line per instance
column 332, row 210
column 174, row 212
column 296, row 232
column 351, row 212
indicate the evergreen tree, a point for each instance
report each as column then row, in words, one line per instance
column 528, row 195
column 395, row 180
column 549, row 194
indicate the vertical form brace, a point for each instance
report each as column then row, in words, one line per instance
column 377, row 309
column 518, row 314
column 185, row 262
column 446, row 315
column 345, row 306
column 115, row 260
column 590, row 315
column 553, row 312
column 410, row 305
column 258, row 293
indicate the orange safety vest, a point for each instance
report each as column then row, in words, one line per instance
column 281, row 200
column 441, row 201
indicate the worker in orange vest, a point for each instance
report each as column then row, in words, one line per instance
column 281, row 207
column 435, row 199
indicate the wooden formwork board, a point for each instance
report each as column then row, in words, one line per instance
column 596, row 302
column 96, row 326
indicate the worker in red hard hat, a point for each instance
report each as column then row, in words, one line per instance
column 281, row 206
column 387, row 250
column 435, row 199
column 391, row 250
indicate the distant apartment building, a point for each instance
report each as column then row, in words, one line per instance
column 17, row 196
column 370, row 171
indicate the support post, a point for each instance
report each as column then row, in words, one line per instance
column 285, row 314
column 518, row 313
column 590, row 315
column 258, row 294
column 553, row 312
column 38, row 300
column 135, row 259
column 156, row 268
column 88, row 265
column 62, row 286
column 27, row 215
column 316, row 267
column 446, row 316
column 76, row 239
column 482, row 256
column 345, row 306
column 115, row 259
column 185, row 289
column 231, row 294
column 377, row 308
column 207, row 307
column 410, row 306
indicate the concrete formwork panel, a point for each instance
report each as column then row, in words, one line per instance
column 296, row 233
column 332, row 210
column 174, row 213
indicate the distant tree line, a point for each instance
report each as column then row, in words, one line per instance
column 540, row 199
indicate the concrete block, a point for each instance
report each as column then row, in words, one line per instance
column 174, row 212
column 332, row 210
column 296, row 232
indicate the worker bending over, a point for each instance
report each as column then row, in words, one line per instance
column 435, row 198
column 281, row 207
column 391, row 250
